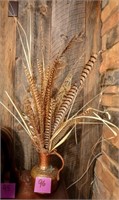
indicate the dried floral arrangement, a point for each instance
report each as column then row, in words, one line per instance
column 47, row 116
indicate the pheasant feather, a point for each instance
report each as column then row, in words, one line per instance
column 65, row 87
column 48, row 125
column 88, row 67
column 46, row 119
column 36, row 98
column 65, row 106
column 33, row 123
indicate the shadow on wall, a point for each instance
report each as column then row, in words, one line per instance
column 19, row 152
column 10, row 160
column 73, row 191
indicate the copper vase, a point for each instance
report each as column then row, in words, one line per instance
column 46, row 169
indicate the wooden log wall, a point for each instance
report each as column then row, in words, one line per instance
column 77, row 156
column 7, row 61
column 63, row 20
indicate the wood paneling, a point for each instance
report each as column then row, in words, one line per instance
column 68, row 19
column 7, row 62
column 90, row 134
column 63, row 20
column 29, row 9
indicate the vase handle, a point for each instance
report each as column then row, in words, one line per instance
column 62, row 160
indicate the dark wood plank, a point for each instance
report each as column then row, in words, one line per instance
column 90, row 134
column 68, row 19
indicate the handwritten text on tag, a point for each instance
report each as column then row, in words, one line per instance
column 42, row 185
column 8, row 190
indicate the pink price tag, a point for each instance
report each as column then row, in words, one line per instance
column 42, row 185
column 8, row 190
